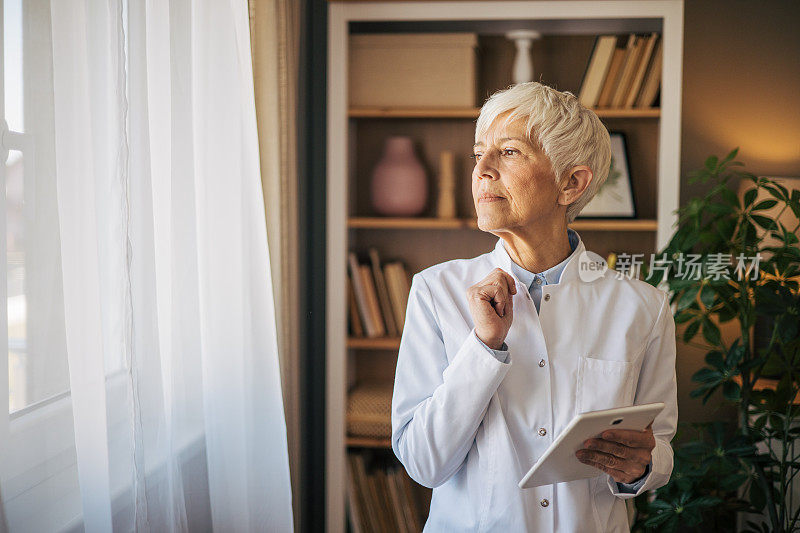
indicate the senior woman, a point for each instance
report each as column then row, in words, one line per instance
column 500, row 351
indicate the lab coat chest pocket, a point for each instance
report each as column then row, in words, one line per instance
column 604, row 384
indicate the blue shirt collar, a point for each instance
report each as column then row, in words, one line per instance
column 552, row 275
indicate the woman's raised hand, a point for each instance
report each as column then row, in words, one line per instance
column 491, row 307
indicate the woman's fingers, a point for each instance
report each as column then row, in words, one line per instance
column 491, row 306
column 496, row 296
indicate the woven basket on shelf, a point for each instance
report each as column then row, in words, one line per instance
column 369, row 411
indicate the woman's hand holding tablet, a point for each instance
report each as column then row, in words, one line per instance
column 623, row 454
column 621, row 441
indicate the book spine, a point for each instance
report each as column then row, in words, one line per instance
column 611, row 78
column 641, row 70
column 627, row 71
column 354, row 498
column 387, row 508
column 355, row 320
column 648, row 94
column 597, row 70
column 383, row 293
column 361, row 298
column 372, row 515
column 399, row 296
column 372, row 301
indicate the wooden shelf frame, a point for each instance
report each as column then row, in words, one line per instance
column 367, row 442
column 473, row 112
column 378, row 343
column 423, row 223
column 340, row 15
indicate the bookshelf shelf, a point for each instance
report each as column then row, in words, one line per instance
column 366, row 442
column 409, row 223
column 470, row 112
column 470, row 223
column 382, row 343
column 357, row 134
column 421, row 112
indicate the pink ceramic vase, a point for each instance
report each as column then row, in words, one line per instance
column 399, row 186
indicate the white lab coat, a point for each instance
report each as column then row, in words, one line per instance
column 468, row 425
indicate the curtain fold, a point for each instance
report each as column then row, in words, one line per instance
column 275, row 31
column 169, row 307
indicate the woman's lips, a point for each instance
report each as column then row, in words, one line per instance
column 489, row 198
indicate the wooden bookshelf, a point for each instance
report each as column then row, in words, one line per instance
column 357, row 135
column 470, row 223
column 473, row 112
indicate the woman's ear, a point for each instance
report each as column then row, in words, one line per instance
column 579, row 179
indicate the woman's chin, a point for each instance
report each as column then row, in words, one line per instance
column 489, row 223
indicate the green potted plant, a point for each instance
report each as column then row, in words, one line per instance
column 750, row 465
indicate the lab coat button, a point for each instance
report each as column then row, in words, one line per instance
column 544, row 503
column 546, row 297
column 542, row 432
column 542, row 363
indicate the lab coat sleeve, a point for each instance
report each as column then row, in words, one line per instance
column 633, row 488
column 437, row 406
column 501, row 354
column 657, row 383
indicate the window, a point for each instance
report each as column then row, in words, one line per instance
column 37, row 463
column 37, row 360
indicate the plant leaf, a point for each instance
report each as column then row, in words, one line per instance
column 691, row 331
column 749, row 197
column 688, row 297
column 765, row 204
column 731, row 391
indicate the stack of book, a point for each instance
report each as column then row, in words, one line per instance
column 381, row 497
column 378, row 296
column 624, row 72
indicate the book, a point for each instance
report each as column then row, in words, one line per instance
column 632, row 53
column 401, row 502
column 641, row 70
column 372, row 514
column 652, row 82
column 381, row 497
column 355, row 504
column 398, row 291
column 390, row 517
column 612, row 77
column 383, row 293
column 352, row 305
column 412, row 505
column 597, row 70
column 361, row 297
column 371, row 298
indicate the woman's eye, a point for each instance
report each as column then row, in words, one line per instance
column 476, row 157
column 510, row 151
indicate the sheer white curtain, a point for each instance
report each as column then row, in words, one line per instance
column 174, row 377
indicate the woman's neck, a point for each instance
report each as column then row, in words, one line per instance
column 537, row 249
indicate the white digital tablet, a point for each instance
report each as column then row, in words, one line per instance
column 559, row 464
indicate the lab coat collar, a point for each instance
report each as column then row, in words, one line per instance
column 501, row 259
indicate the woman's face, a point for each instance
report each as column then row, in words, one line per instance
column 513, row 185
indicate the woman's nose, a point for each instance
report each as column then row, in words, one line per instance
column 485, row 169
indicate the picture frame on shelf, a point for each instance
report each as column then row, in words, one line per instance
column 615, row 197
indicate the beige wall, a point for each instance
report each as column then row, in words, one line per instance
column 741, row 87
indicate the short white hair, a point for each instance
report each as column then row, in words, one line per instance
column 568, row 133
